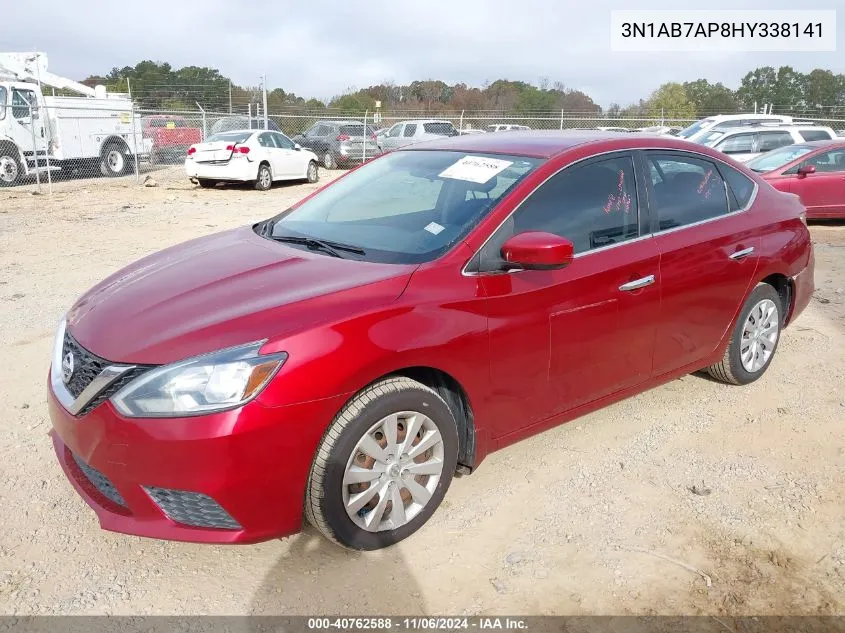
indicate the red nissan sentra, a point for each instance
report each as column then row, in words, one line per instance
column 346, row 358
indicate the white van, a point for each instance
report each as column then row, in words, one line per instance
column 697, row 130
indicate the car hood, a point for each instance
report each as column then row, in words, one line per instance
column 222, row 290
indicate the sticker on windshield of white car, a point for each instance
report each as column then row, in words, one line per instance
column 434, row 228
column 475, row 168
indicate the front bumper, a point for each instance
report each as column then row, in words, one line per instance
column 236, row 169
column 149, row 477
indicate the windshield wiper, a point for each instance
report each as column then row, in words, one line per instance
column 331, row 248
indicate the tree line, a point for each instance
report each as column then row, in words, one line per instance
column 158, row 85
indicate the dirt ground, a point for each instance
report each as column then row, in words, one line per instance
column 595, row 517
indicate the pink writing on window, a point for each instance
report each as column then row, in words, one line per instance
column 704, row 187
column 619, row 201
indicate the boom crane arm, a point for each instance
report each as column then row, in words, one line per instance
column 32, row 67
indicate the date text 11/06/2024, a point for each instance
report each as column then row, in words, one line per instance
column 721, row 29
column 417, row 624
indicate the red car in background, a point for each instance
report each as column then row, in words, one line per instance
column 171, row 135
column 343, row 360
column 814, row 171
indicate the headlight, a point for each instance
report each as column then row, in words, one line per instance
column 58, row 346
column 204, row 384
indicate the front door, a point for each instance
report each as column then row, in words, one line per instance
column 292, row 163
column 823, row 192
column 27, row 124
column 708, row 255
column 562, row 338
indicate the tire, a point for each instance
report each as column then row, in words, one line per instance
column 762, row 317
column 329, row 161
column 11, row 170
column 114, row 161
column 312, row 174
column 264, row 180
column 411, row 405
column 205, row 183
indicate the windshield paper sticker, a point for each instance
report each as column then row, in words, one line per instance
column 434, row 228
column 475, row 169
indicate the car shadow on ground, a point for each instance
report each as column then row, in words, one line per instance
column 337, row 581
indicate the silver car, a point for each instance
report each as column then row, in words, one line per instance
column 340, row 143
column 409, row 132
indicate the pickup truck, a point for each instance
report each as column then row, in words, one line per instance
column 171, row 137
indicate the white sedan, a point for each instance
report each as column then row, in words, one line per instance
column 250, row 156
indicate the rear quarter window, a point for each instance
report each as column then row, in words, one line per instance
column 445, row 129
column 741, row 186
column 815, row 135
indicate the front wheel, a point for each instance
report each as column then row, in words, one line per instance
column 11, row 170
column 384, row 465
column 754, row 340
column 312, row 175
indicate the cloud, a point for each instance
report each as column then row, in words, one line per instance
column 321, row 50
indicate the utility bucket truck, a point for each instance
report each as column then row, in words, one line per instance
column 97, row 132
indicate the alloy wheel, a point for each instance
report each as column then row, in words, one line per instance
column 759, row 335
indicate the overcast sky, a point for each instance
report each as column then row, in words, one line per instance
column 320, row 49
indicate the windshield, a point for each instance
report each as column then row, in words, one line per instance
column 778, row 158
column 695, row 128
column 406, row 207
column 2, row 102
column 230, row 137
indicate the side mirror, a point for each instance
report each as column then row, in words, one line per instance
column 537, row 250
column 806, row 170
column 297, row 146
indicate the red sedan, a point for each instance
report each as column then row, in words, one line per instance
column 814, row 171
column 344, row 359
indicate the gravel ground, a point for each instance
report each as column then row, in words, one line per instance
column 692, row 498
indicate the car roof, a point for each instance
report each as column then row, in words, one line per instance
column 548, row 143
column 244, row 131
column 775, row 128
column 339, row 122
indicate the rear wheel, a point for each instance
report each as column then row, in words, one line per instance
column 11, row 170
column 754, row 340
column 265, row 178
column 205, row 183
column 328, row 161
column 384, row 465
column 313, row 174
column 115, row 160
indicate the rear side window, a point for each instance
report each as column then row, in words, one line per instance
column 741, row 186
column 592, row 205
column 686, row 190
column 410, row 129
column 815, row 135
column 773, row 140
column 737, row 144
column 446, row 129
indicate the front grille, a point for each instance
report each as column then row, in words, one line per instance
column 100, row 482
column 86, row 367
column 192, row 508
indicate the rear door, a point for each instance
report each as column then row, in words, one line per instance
column 709, row 249
column 562, row 338
column 823, row 193
column 391, row 139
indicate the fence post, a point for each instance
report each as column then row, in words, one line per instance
column 45, row 121
column 204, row 126
column 461, row 122
column 561, row 119
column 135, row 142
column 366, row 137
column 34, row 146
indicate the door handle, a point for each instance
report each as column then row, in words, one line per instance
column 745, row 252
column 637, row 284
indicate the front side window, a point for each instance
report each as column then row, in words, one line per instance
column 592, row 206
column 396, row 130
column 738, row 144
column 831, row 161
column 282, row 141
column 686, row 190
column 410, row 129
column 23, row 102
column 773, row 140
column 405, row 207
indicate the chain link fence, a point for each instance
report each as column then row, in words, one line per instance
column 50, row 139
